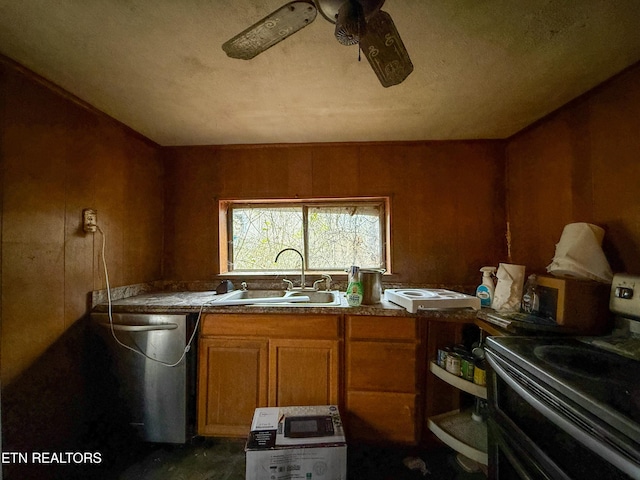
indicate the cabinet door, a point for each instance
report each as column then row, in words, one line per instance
column 232, row 383
column 303, row 372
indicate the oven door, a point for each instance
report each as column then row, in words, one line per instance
column 535, row 433
column 513, row 458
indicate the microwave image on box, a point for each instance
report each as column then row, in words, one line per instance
column 304, row 427
column 298, row 442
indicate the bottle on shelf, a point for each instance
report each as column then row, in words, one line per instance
column 530, row 301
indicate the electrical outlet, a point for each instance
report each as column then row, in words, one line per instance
column 89, row 220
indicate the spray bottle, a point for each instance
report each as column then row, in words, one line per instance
column 486, row 289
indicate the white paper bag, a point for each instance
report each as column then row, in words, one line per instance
column 579, row 254
column 508, row 293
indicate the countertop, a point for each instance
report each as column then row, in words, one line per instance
column 195, row 301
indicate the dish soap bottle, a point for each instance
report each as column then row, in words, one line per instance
column 487, row 288
column 354, row 288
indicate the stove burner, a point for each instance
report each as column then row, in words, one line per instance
column 575, row 360
column 604, row 383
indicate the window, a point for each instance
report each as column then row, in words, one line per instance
column 330, row 234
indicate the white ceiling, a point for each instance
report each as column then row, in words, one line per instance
column 482, row 68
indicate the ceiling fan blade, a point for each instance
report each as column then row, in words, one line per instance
column 385, row 51
column 272, row 29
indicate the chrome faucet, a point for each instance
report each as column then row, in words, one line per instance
column 326, row 278
column 302, row 279
column 327, row 281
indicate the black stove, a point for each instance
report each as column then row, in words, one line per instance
column 568, row 407
column 604, row 383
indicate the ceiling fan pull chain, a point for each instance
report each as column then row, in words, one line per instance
column 359, row 58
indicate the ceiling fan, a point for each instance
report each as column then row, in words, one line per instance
column 357, row 22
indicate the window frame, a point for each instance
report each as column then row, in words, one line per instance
column 225, row 227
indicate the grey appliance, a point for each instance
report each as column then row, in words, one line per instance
column 568, row 407
column 153, row 373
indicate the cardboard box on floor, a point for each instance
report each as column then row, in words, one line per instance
column 285, row 443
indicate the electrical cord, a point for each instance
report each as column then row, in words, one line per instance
column 113, row 333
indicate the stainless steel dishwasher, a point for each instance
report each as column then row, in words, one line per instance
column 157, row 394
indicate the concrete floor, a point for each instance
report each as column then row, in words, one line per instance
column 225, row 460
column 206, row 460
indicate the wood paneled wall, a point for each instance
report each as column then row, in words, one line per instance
column 59, row 157
column 447, row 199
column 581, row 164
column 451, row 202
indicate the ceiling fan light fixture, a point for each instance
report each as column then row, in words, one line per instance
column 350, row 24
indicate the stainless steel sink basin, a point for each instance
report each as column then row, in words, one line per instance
column 252, row 294
column 315, row 297
column 279, row 298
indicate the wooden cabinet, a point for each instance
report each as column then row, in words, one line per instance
column 378, row 379
column 249, row 361
column 383, row 377
column 303, row 372
column 232, row 382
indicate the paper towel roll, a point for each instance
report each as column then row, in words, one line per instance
column 508, row 293
column 579, row 254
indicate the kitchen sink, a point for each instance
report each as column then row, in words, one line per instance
column 289, row 298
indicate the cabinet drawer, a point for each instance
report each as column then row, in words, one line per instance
column 386, row 328
column 272, row 326
column 382, row 417
column 382, row 366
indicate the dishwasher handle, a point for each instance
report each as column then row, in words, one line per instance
column 140, row 328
